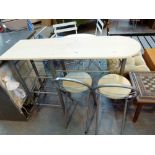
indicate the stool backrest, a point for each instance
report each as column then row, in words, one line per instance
column 117, row 95
column 99, row 27
column 69, row 82
column 64, row 27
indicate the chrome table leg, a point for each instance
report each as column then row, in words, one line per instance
column 124, row 116
column 53, row 71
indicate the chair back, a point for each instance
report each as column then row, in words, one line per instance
column 64, row 27
column 99, row 27
column 120, row 93
column 71, row 85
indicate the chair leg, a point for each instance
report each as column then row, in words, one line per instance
column 68, row 116
column 124, row 116
column 137, row 112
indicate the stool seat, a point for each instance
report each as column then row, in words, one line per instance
column 73, row 87
column 114, row 92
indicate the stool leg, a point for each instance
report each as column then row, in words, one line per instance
column 124, row 116
column 97, row 116
column 68, row 115
column 137, row 112
column 93, row 109
column 87, row 121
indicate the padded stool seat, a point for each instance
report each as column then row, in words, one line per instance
column 73, row 87
column 114, row 92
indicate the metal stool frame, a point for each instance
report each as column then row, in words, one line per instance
column 58, row 80
column 134, row 92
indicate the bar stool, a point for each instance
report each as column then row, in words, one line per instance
column 116, row 87
column 75, row 83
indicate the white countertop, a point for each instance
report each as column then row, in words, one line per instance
column 81, row 47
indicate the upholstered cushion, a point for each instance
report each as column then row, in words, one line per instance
column 135, row 63
column 130, row 61
column 139, row 60
column 113, row 64
column 133, row 68
column 76, row 87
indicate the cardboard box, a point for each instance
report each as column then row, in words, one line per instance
column 46, row 22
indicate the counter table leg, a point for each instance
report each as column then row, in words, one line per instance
column 53, row 72
column 63, row 67
column 36, row 72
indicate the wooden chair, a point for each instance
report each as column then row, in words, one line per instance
column 74, row 83
column 116, row 87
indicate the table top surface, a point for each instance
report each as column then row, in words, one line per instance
column 8, row 39
column 145, row 83
column 75, row 47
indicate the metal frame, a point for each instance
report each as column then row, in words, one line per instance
column 36, row 71
column 22, row 82
column 105, row 71
column 19, row 77
column 53, row 72
column 134, row 92
column 30, row 93
column 65, row 92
